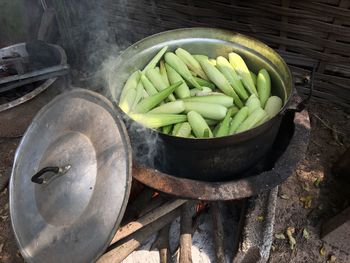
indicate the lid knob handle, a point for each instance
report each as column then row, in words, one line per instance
column 38, row 179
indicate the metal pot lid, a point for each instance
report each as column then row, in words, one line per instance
column 70, row 211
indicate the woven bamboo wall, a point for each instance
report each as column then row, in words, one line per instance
column 306, row 33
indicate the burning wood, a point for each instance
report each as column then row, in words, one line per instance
column 140, row 201
column 186, row 234
column 201, row 208
column 120, row 250
column 157, row 201
column 149, row 218
column 162, row 244
column 219, row 232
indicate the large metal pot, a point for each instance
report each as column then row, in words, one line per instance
column 213, row 159
column 24, row 108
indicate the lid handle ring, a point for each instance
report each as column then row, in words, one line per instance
column 37, row 178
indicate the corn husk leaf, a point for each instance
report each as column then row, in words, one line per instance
column 323, row 251
column 280, row 236
column 306, row 234
column 284, row 196
column 292, row 242
column 306, row 201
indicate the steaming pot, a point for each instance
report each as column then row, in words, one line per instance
column 213, row 159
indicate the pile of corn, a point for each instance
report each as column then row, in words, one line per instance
column 197, row 97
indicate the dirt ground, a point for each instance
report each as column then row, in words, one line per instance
column 8, row 247
column 324, row 195
column 313, row 194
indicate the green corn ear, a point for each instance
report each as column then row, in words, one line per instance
column 182, row 91
column 181, row 68
column 184, row 130
column 151, row 90
column 206, row 133
column 149, row 103
column 139, row 94
column 155, row 121
column 230, row 74
column 221, row 99
column 174, row 107
column 252, row 74
column 157, row 80
column 163, row 72
column 154, row 61
column 224, row 126
column 252, row 120
column 215, row 131
column 220, row 81
column 273, row 106
column 238, row 119
column 191, row 62
column 233, row 110
column 198, row 124
column 131, row 83
column 241, row 68
column 207, row 110
column 128, row 100
column 264, row 86
column 167, row 129
column 176, row 128
column 253, row 103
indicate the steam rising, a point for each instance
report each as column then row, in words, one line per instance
column 146, row 143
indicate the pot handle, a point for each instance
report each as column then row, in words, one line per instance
column 297, row 104
column 37, row 178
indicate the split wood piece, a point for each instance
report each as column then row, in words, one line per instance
column 162, row 244
column 133, row 210
column 186, row 234
column 218, row 233
column 146, row 219
column 195, row 224
column 120, row 250
column 156, row 202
